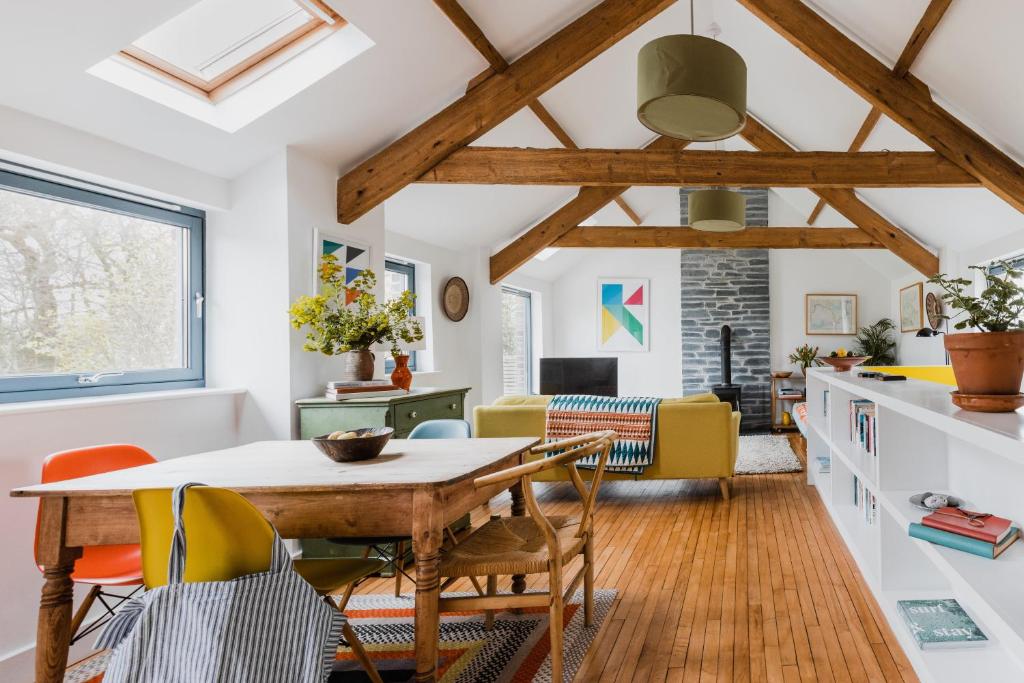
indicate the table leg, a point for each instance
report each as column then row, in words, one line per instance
column 427, row 530
column 518, row 510
column 53, row 630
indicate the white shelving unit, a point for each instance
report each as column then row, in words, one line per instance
column 924, row 443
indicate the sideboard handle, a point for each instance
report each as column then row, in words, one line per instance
column 413, row 415
column 453, row 406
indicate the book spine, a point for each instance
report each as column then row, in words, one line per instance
column 955, row 541
column 959, row 530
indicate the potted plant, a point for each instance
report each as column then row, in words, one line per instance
column 805, row 356
column 877, row 343
column 990, row 361
column 346, row 319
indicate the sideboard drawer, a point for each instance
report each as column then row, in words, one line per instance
column 408, row 414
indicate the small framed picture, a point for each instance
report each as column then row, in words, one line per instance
column 912, row 307
column 830, row 314
column 351, row 255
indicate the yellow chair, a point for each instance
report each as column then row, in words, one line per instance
column 227, row 538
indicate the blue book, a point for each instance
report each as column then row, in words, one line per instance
column 937, row 624
column 964, row 543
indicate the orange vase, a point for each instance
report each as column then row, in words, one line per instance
column 402, row 375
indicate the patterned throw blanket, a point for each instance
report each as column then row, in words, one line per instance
column 633, row 419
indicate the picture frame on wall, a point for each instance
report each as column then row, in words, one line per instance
column 912, row 307
column 352, row 255
column 623, row 314
column 830, row 314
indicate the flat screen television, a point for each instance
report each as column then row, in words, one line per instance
column 593, row 376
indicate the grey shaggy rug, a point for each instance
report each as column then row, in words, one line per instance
column 766, row 454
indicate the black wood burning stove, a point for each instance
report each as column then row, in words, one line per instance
column 727, row 391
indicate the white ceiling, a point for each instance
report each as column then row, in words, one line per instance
column 420, row 63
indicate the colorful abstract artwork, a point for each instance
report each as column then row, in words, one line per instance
column 353, row 256
column 623, row 314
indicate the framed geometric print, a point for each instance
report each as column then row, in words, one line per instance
column 623, row 314
column 353, row 256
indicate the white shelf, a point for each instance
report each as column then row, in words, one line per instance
column 926, row 443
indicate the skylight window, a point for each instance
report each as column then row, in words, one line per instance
column 201, row 61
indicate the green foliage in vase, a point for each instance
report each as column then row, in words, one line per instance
column 878, row 342
column 999, row 307
column 805, row 356
column 344, row 318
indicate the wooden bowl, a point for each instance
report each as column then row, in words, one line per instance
column 782, row 374
column 988, row 403
column 366, row 446
column 843, row 364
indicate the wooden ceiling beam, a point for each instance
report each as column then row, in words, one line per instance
column 929, row 21
column 898, row 98
column 675, row 237
column 585, row 204
column 489, row 103
column 475, row 35
column 652, row 167
column 848, row 204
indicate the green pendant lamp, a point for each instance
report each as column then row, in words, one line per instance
column 717, row 210
column 691, row 88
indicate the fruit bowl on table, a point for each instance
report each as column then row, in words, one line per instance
column 365, row 444
column 843, row 363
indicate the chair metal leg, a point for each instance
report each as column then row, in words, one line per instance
column 83, row 610
column 399, row 557
column 360, row 652
column 492, row 589
column 588, row 582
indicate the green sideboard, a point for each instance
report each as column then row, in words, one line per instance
column 318, row 416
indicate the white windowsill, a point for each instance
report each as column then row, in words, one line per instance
column 114, row 399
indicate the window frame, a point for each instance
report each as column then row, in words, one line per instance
column 53, row 386
column 528, row 295
column 409, row 270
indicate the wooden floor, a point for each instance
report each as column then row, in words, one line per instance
column 759, row 589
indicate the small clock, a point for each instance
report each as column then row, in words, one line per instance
column 933, row 309
column 455, row 299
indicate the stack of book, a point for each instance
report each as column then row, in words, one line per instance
column 865, row 501
column 977, row 533
column 374, row 388
column 824, row 464
column 864, row 425
column 790, row 392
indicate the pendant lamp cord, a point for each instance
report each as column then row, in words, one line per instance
column 691, row 18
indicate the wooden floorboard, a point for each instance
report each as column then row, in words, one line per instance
column 758, row 589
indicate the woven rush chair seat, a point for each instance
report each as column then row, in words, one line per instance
column 511, row 545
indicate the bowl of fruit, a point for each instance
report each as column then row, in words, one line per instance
column 355, row 444
column 842, row 361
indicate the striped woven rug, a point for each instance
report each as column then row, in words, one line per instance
column 516, row 650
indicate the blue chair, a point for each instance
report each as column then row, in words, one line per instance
column 442, row 429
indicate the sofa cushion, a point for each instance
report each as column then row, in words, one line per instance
column 695, row 398
column 522, row 401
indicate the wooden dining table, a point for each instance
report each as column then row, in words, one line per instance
column 414, row 488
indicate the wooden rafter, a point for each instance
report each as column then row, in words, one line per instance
column 654, row 167
column 585, row 204
column 901, row 99
column 687, row 238
column 848, row 204
column 929, row 21
column 492, row 101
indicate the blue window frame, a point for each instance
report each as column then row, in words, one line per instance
column 99, row 293
column 399, row 276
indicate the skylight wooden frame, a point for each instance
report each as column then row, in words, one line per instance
column 251, row 67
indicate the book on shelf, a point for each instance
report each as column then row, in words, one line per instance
column 824, row 408
column 865, row 501
column 964, row 543
column 375, row 391
column 940, row 624
column 863, row 425
column 985, row 527
column 824, row 464
column 361, row 384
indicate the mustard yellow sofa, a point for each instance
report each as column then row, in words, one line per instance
column 697, row 436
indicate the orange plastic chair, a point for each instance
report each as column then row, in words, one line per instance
column 106, row 565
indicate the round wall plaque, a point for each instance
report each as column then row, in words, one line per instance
column 455, row 299
column 933, row 309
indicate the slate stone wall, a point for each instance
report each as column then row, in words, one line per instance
column 728, row 287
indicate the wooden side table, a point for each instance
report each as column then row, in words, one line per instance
column 785, row 402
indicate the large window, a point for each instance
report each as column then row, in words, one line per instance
column 399, row 276
column 516, row 341
column 98, row 294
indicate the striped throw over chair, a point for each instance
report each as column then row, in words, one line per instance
column 534, row 544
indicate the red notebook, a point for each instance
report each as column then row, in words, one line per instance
column 993, row 529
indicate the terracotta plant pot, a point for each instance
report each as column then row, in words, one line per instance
column 402, row 375
column 359, row 365
column 987, row 362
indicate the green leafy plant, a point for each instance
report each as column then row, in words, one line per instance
column 999, row 307
column 344, row 318
column 878, row 342
column 805, row 356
